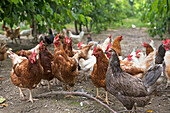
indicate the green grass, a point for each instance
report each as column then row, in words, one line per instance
column 70, row 25
column 127, row 23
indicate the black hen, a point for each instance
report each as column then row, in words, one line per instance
column 129, row 90
column 161, row 53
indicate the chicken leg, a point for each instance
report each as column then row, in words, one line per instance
column 21, row 94
column 30, row 98
column 97, row 96
column 49, row 85
column 106, row 99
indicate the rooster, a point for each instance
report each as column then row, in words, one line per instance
column 26, row 73
column 166, row 45
column 129, row 90
column 46, row 59
column 64, row 67
column 76, row 38
column 3, row 54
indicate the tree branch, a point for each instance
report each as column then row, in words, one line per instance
column 75, row 93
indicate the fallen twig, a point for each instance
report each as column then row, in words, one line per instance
column 75, row 93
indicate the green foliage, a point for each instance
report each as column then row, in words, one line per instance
column 157, row 13
column 57, row 13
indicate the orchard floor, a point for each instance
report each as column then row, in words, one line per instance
column 57, row 103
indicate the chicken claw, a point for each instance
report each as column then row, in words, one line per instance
column 106, row 99
column 97, row 96
column 30, row 98
column 21, row 94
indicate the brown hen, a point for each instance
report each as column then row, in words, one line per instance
column 98, row 75
column 26, row 73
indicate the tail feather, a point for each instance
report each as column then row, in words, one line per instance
column 152, row 75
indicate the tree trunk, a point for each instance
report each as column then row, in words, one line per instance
column 91, row 24
column 34, row 26
column 14, row 36
column 80, row 27
column 169, row 26
column 87, row 25
column 75, row 23
column 168, row 17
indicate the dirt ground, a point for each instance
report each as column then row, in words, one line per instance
column 57, row 103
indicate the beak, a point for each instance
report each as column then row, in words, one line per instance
column 105, row 52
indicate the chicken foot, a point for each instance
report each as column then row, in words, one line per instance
column 21, row 94
column 97, row 96
column 49, row 86
column 70, row 96
column 30, row 98
column 106, row 98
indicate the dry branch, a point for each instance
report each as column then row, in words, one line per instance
column 76, row 93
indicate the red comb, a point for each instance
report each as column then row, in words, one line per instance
column 150, row 39
column 166, row 41
column 22, row 51
column 88, row 35
column 138, row 51
column 110, row 36
column 41, row 43
column 167, row 44
column 108, row 46
column 68, row 30
column 80, row 43
column 94, row 49
column 66, row 37
column 34, row 52
column 144, row 44
column 129, row 57
column 56, row 38
column 121, row 36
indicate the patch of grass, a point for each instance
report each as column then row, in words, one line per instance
column 127, row 23
column 70, row 25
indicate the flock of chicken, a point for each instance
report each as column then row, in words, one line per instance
column 131, row 80
column 10, row 33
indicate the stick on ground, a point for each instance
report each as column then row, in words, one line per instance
column 76, row 93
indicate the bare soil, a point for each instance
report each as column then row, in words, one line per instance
column 57, row 103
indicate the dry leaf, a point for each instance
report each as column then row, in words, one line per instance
column 149, row 111
column 4, row 104
column 2, row 100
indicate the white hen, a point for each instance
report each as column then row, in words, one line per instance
column 76, row 38
column 27, row 33
column 106, row 42
column 87, row 65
